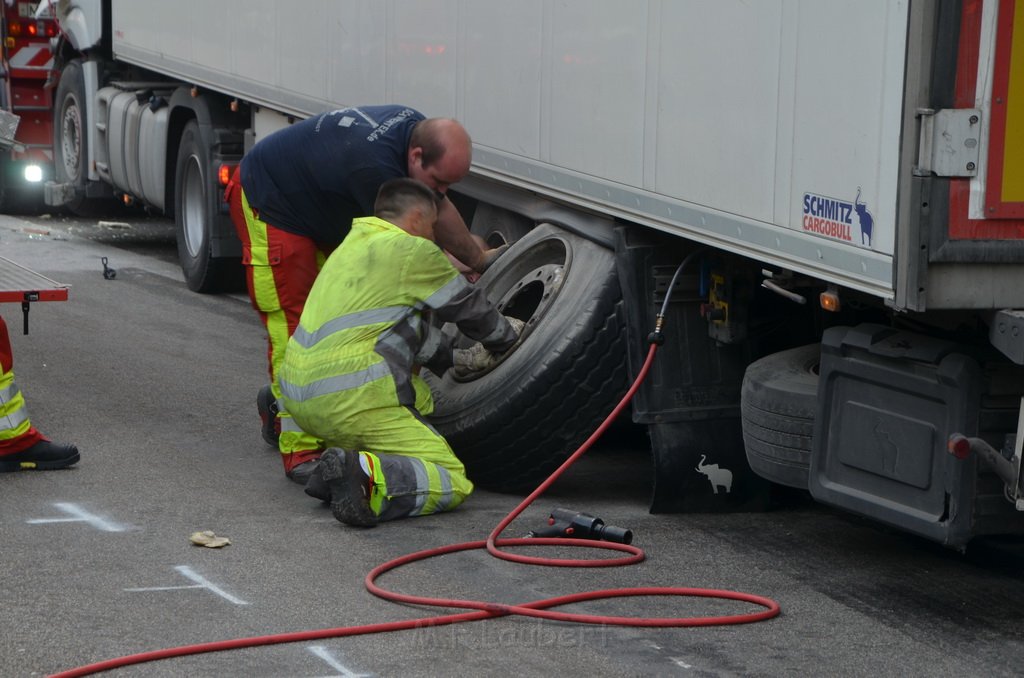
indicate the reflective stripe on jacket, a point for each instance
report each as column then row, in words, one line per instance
column 363, row 329
column 14, row 420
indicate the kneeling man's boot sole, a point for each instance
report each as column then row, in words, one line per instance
column 349, row 486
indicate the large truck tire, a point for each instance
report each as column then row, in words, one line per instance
column 513, row 425
column 497, row 227
column 195, row 207
column 777, row 405
column 70, row 142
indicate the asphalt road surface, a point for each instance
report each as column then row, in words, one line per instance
column 157, row 384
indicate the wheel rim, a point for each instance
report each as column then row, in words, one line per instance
column 527, row 289
column 531, row 296
column 498, row 237
column 71, row 139
column 192, row 213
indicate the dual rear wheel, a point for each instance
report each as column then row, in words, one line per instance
column 195, row 200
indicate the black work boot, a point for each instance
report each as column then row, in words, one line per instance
column 302, row 472
column 349, row 486
column 266, row 404
column 43, row 456
column 317, row 487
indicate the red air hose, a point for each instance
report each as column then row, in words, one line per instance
column 485, row 610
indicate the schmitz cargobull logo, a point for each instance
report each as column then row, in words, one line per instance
column 838, row 219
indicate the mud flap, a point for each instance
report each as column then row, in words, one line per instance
column 691, row 399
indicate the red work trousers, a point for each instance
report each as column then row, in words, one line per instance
column 280, row 268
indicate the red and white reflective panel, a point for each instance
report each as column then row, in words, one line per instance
column 31, row 56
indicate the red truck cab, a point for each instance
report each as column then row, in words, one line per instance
column 26, row 70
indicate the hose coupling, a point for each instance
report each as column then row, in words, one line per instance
column 656, row 337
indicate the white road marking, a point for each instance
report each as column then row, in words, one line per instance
column 201, row 583
column 680, row 663
column 80, row 515
column 325, row 654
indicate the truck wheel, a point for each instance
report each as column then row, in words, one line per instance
column 778, row 400
column 513, row 425
column 499, row 227
column 195, row 207
column 70, row 141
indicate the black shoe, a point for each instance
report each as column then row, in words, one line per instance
column 266, row 403
column 43, row 456
column 349, row 486
column 317, row 487
column 302, row 472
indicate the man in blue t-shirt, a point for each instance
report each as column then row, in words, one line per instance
column 293, row 200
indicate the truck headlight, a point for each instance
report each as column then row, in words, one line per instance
column 33, row 174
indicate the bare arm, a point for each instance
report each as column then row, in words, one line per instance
column 453, row 235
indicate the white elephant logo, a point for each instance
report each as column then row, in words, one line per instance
column 717, row 476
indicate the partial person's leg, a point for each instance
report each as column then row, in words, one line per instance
column 22, row 447
column 407, row 468
column 280, row 270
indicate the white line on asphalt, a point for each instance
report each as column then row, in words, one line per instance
column 80, row 516
column 199, row 579
column 165, row 588
column 201, row 583
column 325, row 654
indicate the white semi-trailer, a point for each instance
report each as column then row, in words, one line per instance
column 851, row 172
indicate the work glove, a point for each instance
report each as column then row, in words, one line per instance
column 516, row 324
column 472, row 360
column 475, row 359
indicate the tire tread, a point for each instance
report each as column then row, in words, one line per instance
column 512, row 443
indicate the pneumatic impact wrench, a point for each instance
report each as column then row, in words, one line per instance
column 568, row 523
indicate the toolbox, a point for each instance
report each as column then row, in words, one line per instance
column 901, row 395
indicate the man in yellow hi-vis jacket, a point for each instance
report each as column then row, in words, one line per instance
column 350, row 369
